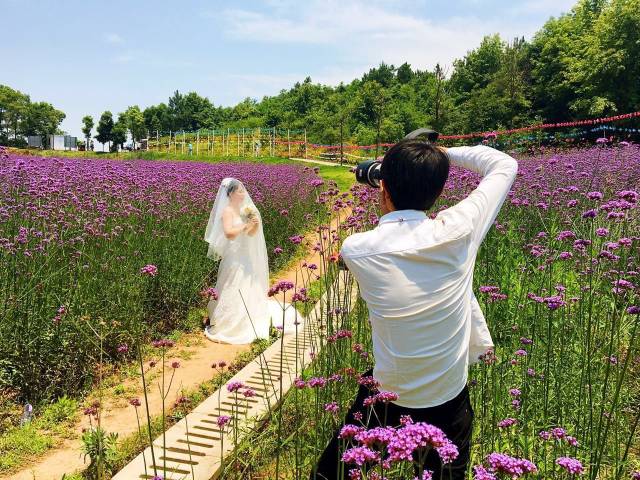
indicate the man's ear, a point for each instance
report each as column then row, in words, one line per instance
column 385, row 195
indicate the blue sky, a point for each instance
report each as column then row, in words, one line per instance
column 88, row 56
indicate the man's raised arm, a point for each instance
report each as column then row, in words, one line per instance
column 483, row 204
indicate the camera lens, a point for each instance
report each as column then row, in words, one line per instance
column 369, row 172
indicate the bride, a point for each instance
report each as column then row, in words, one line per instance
column 243, row 311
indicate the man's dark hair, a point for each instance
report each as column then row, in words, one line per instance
column 414, row 173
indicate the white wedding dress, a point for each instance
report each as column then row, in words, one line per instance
column 243, row 311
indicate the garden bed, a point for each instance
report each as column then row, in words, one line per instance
column 557, row 278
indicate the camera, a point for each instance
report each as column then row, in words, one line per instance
column 369, row 171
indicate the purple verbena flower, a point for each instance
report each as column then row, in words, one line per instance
column 571, row 465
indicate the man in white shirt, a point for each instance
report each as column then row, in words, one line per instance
column 416, row 275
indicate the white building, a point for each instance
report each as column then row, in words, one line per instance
column 63, row 142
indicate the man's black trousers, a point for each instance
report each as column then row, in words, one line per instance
column 454, row 418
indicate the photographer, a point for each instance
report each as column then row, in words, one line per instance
column 416, row 275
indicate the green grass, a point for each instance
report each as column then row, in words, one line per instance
column 63, row 411
column 342, row 175
column 20, row 444
column 73, row 476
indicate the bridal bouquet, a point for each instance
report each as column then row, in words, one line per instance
column 247, row 213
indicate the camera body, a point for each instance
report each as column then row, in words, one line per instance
column 368, row 172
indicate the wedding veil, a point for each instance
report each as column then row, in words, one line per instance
column 254, row 245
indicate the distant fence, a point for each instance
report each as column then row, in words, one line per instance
column 240, row 142
column 287, row 143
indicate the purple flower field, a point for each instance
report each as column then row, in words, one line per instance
column 558, row 279
column 75, row 234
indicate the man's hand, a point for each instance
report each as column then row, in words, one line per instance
column 342, row 265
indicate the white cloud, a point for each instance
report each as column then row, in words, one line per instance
column 113, row 39
column 363, row 34
column 541, row 7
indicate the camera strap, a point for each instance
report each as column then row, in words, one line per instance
column 432, row 135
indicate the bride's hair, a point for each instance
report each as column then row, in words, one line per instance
column 232, row 186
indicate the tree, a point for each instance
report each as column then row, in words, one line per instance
column 583, row 63
column 476, row 70
column 511, row 85
column 244, row 110
column 87, row 125
column 41, row 118
column 119, row 133
column 343, row 110
column 372, row 106
column 606, row 71
column 383, row 74
column 439, row 81
column 157, row 118
column 404, row 73
column 134, row 121
column 13, row 109
column 105, row 128
column 272, row 110
column 191, row 111
column 560, row 56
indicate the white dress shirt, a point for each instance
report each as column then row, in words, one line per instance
column 416, row 275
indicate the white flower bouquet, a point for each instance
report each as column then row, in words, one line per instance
column 247, row 213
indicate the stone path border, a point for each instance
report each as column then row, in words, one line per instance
column 195, row 445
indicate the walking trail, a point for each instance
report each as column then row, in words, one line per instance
column 195, row 354
column 320, row 162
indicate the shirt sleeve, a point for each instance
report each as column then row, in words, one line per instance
column 346, row 253
column 482, row 205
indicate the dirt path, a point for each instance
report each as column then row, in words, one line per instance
column 320, row 162
column 118, row 416
column 195, row 354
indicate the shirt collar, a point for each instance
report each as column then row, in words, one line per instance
column 401, row 216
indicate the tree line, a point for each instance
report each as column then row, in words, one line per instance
column 20, row 117
column 581, row 64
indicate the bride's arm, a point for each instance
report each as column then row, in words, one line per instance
column 230, row 230
column 253, row 227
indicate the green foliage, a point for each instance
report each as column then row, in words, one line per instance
column 104, row 128
column 21, row 444
column 119, row 133
column 41, row 119
column 581, row 64
column 72, row 476
column 20, row 117
column 587, row 60
column 133, row 119
column 87, row 125
column 100, row 447
column 63, row 411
